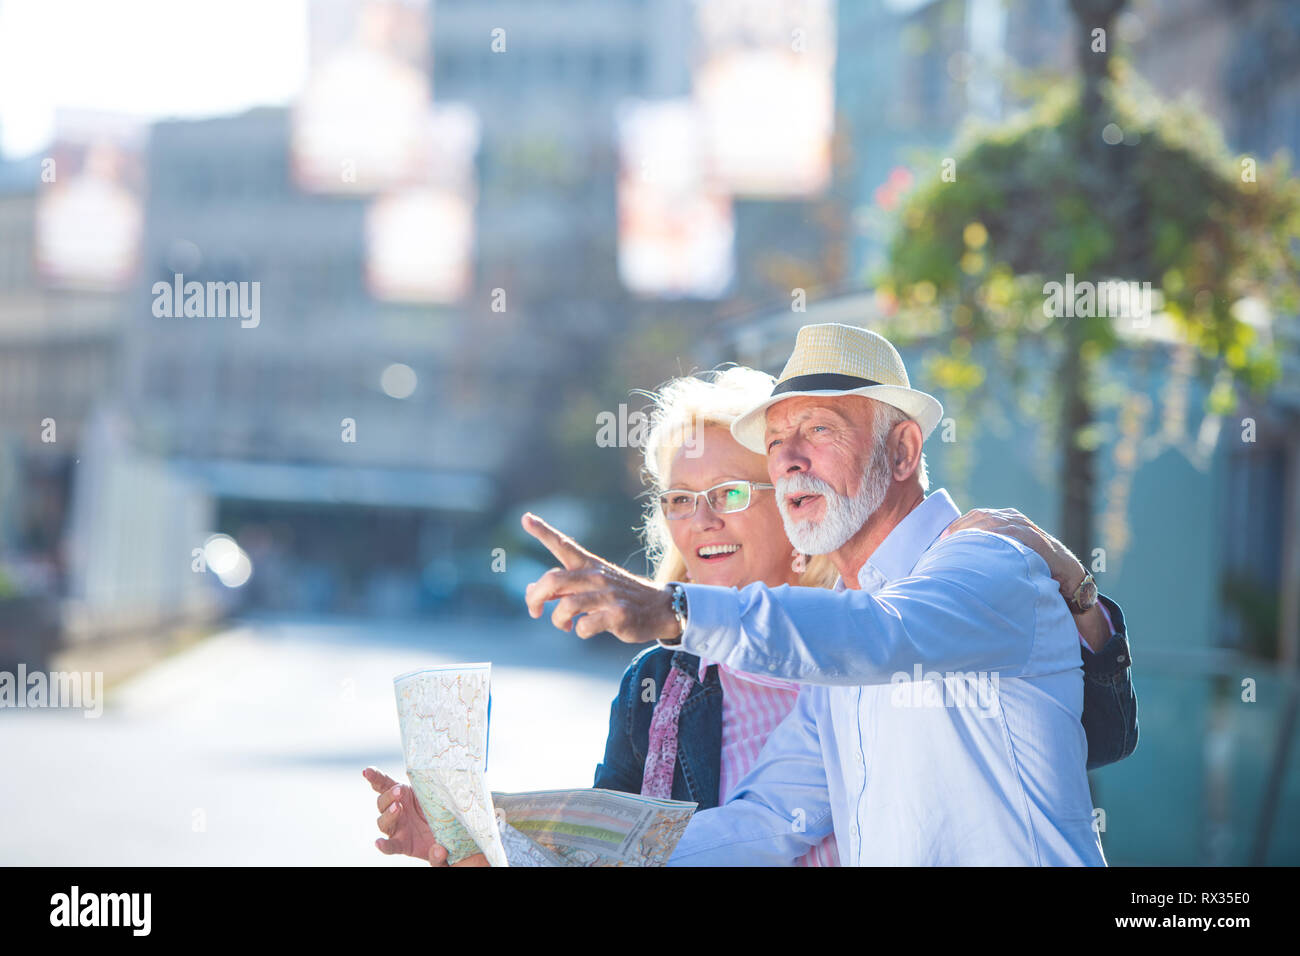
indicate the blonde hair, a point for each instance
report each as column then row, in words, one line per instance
column 680, row 411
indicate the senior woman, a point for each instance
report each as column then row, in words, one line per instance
column 690, row 729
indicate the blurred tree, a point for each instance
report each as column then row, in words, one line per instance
column 1099, row 181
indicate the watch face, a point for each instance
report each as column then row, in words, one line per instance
column 1086, row 596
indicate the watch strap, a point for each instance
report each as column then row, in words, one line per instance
column 679, row 609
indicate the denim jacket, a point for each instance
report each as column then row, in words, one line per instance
column 1109, row 717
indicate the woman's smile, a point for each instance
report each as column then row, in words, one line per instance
column 717, row 552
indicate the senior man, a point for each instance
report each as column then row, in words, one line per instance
column 986, row 764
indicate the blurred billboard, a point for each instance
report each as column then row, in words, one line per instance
column 420, row 236
column 89, row 212
column 366, row 125
column 675, row 228
column 360, row 124
column 764, row 81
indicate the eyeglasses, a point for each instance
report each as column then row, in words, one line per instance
column 724, row 499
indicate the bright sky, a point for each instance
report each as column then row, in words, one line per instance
column 144, row 58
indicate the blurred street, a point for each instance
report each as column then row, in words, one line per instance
column 248, row 748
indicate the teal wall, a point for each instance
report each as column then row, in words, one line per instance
column 1190, row 794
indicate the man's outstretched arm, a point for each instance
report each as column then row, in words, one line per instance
column 974, row 602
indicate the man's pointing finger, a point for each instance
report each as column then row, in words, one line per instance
column 566, row 550
column 558, row 584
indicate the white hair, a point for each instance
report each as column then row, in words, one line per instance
column 887, row 417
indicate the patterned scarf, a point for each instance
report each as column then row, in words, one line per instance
column 661, row 760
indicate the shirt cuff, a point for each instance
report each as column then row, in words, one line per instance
column 712, row 622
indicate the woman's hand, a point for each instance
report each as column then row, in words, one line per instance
column 400, row 819
column 438, row 857
column 402, row 822
column 1065, row 568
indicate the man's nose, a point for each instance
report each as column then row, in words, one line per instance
column 786, row 459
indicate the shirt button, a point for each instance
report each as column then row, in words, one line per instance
column 1121, row 658
column 771, row 667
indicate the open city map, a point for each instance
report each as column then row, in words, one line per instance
column 443, row 714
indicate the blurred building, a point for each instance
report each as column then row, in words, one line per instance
column 73, row 565
column 58, row 354
column 329, row 409
column 360, row 445
column 549, row 93
column 300, row 424
column 546, row 89
column 546, row 82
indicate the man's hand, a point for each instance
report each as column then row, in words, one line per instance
column 608, row 598
column 1066, row 570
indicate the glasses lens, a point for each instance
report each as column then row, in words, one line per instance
column 728, row 498
column 677, row 505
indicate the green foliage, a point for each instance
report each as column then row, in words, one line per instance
column 1256, row 606
column 1043, row 195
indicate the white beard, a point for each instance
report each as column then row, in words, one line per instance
column 844, row 517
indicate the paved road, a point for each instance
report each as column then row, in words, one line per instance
column 248, row 748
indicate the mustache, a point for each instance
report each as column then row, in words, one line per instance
column 802, row 482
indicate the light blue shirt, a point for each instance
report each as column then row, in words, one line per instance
column 940, row 724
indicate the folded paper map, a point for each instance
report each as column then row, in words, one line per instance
column 443, row 714
column 595, row 827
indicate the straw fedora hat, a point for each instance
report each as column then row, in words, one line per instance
column 832, row 360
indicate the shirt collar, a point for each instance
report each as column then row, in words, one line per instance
column 902, row 548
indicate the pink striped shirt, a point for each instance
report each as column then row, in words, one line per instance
column 752, row 706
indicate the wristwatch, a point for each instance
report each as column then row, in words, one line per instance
column 1084, row 596
column 679, row 610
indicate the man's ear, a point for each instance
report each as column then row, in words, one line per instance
column 904, row 449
